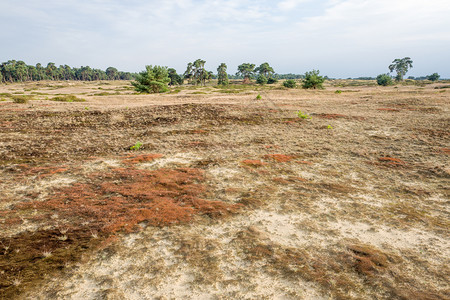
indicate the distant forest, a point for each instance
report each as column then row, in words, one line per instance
column 19, row 71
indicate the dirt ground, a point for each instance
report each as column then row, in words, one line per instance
column 224, row 196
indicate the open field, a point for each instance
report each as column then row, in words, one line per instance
column 226, row 197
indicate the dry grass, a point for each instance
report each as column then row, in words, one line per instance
column 228, row 197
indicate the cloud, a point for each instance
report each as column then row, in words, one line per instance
column 290, row 4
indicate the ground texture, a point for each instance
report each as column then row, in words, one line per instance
column 224, row 196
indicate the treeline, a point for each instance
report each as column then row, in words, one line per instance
column 19, row 71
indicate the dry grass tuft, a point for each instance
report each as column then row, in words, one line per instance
column 279, row 157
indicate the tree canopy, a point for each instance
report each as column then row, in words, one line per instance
column 401, row 66
column 247, row 70
column 265, row 69
column 313, row 80
column 152, row 80
column 222, row 74
column 196, row 74
column 19, row 71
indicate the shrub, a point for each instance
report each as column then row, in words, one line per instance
column 338, row 92
column 261, row 79
column 313, row 80
column 258, row 97
column 303, row 115
column 136, row 146
column 290, row 83
column 152, row 80
column 68, row 98
column 433, row 77
column 384, row 79
column 272, row 80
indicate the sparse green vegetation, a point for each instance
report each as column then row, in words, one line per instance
column 68, row 98
column 136, row 146
column 303, row 115
column 338, row 92
column 258, row 97
column 21, row 98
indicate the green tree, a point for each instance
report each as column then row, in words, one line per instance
column 401, row 66
column 152, row 80
column 265, row 69
column 433, row 77
column 112, row 73
column 290, row 83
column 384, row 79
column 175, row 79
column 313, row 80
column 222, row 74
column 247, row 70
column 262, row 80
column 50, row 70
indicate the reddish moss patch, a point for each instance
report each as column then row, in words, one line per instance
column 368, row 261
column 125, row 197
column 253, row 163
column 279, row 157
column 137, row 159
column 392, row 161
column 388, row 109
column 331, row 116
column 445, row 150
column 304, row 162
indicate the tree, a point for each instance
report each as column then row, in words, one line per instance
column 247, row 71
column 152, row 80
column 196, row 73
column 265, row 69
column 384, row 79
column 290, row 83
column 175, row 79
column 112, row 73
column 222, row 74
column 401, row 66
column 262, row 80
column 313, row 80
column 433, row 77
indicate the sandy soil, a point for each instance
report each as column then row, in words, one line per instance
column 228, row 197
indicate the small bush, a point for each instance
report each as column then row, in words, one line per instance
column 136, row 146
column 262, row 80
column 338, row 92
column 272, row 80
column 384, row 79
column 258, row 97
column 68, row 98
column 433, row 77
column 290, row 83
column 303, row 115
column 313, row 80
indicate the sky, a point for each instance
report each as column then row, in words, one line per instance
column 341, row 38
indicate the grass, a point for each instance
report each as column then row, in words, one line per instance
column 68, row 98
column 21, row 98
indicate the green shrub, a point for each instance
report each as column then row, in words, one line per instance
column 290, row 83
column 136, row 146
column 384, row 79
column 313, row 80
column 433, row 77
column 261, row 79
column 258, row 97
column 303, row 115
column 338, row 92
column 152, row 80
column 272, row 80
column 68, row 98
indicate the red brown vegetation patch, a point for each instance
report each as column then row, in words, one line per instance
column 392, row 161
column 279, row 157
column 125, row 197
column 445, row 151
column 368, row 261
column 331, row 116
column 253, row 163
column 137, row 159
column 304, row 162
column 388, row 109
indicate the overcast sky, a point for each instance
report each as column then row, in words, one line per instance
column 341, row 38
